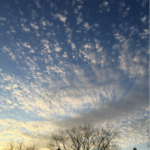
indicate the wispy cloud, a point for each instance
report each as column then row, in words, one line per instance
column 34, row 26
column 79, row 18
column 112, row 110
column 60, row 17
column 25, row 28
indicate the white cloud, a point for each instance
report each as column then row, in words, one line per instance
column 61, row 17
column 5, row 49
column 87, row 46
column 98, row 47
column 73, row 46
column 8, row 101
column 65, row 55
column 20, row 12
column 143, row 19
column 79, row 7
column 86, row 25
column 57, row 49
column 73, row 2
column 30, row 135
column 127, row 62
column 126, row 12
column 79, row 18
column 104, row 7
column 122, row 4
column 44, row 41
column 76, row 11
column 31, row 51
column 34, row 26
column 44, row 23
column 34, row 14
column 134, row 68
column 105, row 3
column 12, row 29
column 144, row 34
column 24, row 28
column 46, row 47
column 2, row 18
column 23, row 19
column 113, row 110
column 26, row 45
column 37, row 3
column 69, row 32
column 13, row 57
column 96, row 25
column 133, row 31
column 11, row 54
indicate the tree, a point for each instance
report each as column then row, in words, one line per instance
column 18, row 146
column 85, row 138
column 148, row 137
column 30, row 147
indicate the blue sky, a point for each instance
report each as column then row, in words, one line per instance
column 66, row 62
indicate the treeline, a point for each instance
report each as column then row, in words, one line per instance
column 19, row 146
column 77, row 138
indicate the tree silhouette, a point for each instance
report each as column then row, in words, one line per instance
column 134, row 148
column 85, row 138
column 148, row 138
column 18, row 146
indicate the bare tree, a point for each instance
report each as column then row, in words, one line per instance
column 148, row 137
column 18, row 146
column 10, row 146
column 85, row 138
column 30, row 147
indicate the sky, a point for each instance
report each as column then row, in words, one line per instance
column 69, row 62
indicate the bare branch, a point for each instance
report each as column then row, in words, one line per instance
column 85, row 138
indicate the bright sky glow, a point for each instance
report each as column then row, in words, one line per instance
column 66, row 62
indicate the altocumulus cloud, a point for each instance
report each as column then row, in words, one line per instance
column 63, row 63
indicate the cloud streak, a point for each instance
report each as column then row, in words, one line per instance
column 135, row 100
